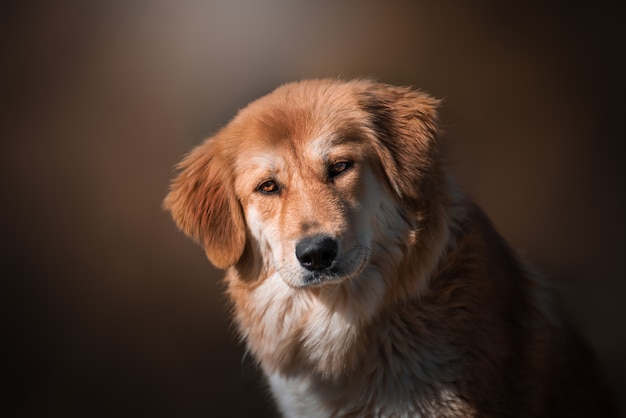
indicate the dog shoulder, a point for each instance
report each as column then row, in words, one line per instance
column 519, row 350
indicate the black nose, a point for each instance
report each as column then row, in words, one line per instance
column 316, row 252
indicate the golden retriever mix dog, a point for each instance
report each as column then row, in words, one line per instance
column 362, row 281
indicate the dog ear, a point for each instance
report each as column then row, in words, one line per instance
column 204, row 206
column 405, row 124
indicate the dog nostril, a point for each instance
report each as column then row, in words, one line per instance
column 317, row 252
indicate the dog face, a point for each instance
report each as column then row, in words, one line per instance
column 305, row 195
column 300, row 179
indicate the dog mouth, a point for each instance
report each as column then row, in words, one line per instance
column 345, row 268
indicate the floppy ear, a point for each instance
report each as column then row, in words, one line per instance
column 204, row 206
column 405, row 122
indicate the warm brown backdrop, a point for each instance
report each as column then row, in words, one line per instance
column 112, row 312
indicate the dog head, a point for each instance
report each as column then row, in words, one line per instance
column 300, row 179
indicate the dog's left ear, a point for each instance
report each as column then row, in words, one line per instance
column 203, row 204
column 405, row 123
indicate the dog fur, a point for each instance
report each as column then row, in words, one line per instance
column 362, row 281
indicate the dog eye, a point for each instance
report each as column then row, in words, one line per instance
column 268, row 187
column 338, row 168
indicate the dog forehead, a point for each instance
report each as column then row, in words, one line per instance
column 300, row 112
column 281, row 135
column 276, row 158
column 290, row 128
column 297, row 126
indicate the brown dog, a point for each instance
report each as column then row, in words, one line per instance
column 363, row 282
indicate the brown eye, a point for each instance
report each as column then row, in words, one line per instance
column 268, row 187
column 338, row 168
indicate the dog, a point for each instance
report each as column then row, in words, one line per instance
column 363, row 281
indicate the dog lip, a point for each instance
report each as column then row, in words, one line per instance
column 332, row 274
column 323, row 276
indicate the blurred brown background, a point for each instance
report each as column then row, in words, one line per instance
column 113, row 312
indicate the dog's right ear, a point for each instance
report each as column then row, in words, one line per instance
column 203, row 204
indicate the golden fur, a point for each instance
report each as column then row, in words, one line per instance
column 362, row 281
